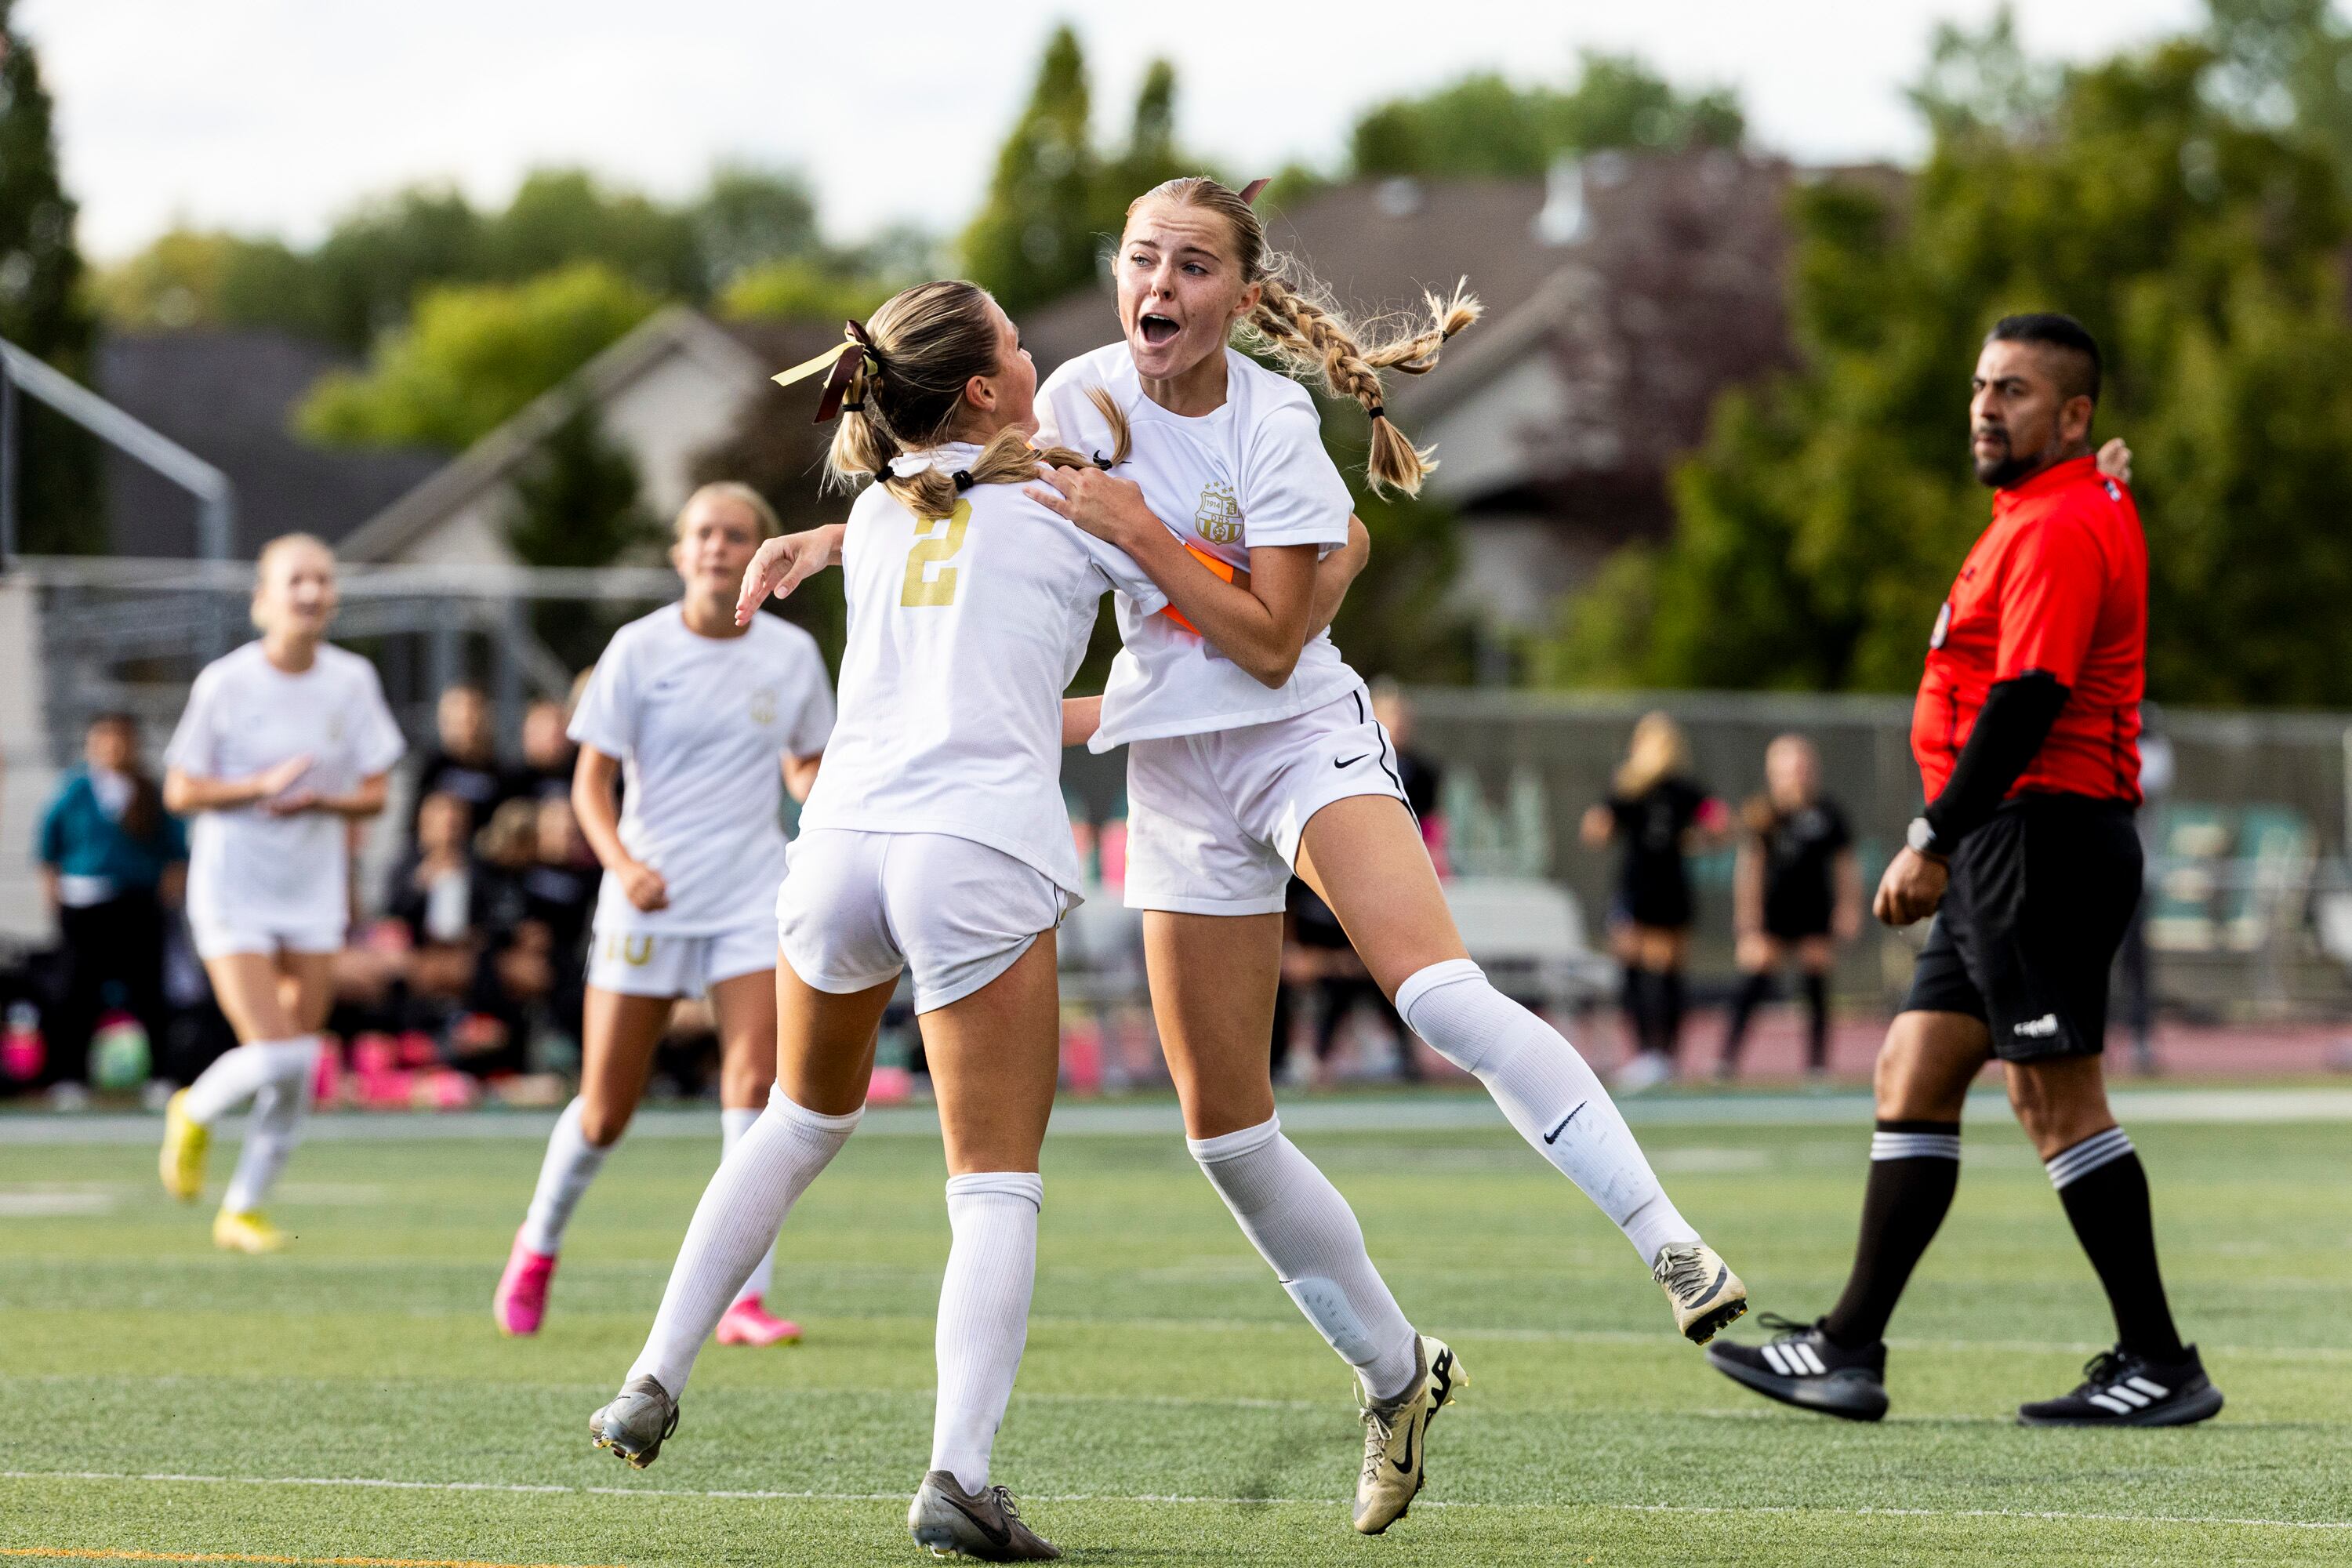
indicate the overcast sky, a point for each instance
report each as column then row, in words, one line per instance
column 273, row 115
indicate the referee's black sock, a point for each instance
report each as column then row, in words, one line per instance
column 1914, row 1169
column 1752, row 992
column 1817, row 1022
column 1639, row 1009
column 2104, row 1188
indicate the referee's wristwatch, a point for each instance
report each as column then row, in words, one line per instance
column 1921, row 837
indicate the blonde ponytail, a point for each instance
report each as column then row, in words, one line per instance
column 1303, row 329
column 914, row 357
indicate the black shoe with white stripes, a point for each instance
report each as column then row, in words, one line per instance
column 2121, row 1389
column 1806, row 1368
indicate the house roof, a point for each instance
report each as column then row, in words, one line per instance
column 493, row 459
column 230, row 398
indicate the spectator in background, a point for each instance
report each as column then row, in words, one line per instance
column 1796, row 892
column 548, row 753
column 464, row 763
column 1418, row 774
column 1657, row 814
column 112, row 861
column 560, row 893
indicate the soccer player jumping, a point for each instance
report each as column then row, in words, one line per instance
column 2027, row 735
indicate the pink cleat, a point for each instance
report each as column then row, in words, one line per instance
column 521, row 1299
column 747, row 1322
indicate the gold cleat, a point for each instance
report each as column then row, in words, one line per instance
column 1706, row 1295
column 246, row 1232
column 185, row 1140
column 1396, row 1437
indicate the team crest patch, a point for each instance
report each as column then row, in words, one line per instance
column 1218, row 520
column 763, row 705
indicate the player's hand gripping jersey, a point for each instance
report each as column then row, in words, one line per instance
column 1252, row 472
column 699, row 724
column 2058, row 584
column 963, row 632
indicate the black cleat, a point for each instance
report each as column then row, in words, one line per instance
column 1806, row 1368
column 2120, row 1389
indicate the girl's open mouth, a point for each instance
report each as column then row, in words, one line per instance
column 1156, row 329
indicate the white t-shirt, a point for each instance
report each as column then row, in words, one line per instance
column 246, row 867
column 1252, row 472
column 963, row 633
column 698, row 724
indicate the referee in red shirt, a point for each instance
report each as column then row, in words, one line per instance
column 2027, row 735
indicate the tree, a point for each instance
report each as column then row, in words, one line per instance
column 562, row 217
column 800, row 291
column 380, row 258
column 1035, row 237
column 473, row 357
column 748, row 218
column 42, row 311
column 1482, row 125
column 578, row 504
column 1152, row 156
column 1828, row 510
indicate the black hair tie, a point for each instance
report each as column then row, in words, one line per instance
column 963, row 481
column 857, row 408
column 1377, row 411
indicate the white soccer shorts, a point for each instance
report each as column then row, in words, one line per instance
column 647, row 964
column 218, row 939
column 857, row 908
column 1214, row 820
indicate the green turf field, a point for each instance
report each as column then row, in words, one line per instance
column 350, row 1399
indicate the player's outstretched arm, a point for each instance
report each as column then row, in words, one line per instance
column 783, row 563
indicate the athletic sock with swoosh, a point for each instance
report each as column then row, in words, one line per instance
column 1549, row 1093
column 983, row 1314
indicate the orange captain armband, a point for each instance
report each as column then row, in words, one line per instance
column 1224, row 570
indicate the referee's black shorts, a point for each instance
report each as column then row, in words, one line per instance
column 2039, row 902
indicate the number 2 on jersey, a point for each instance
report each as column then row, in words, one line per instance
column 929, row 579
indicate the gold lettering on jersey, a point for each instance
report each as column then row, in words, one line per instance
column 930, row 581
column 763, row 705
column 633, row 951
column 1219, row 518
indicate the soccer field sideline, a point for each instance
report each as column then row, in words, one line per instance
column 1444, row 1111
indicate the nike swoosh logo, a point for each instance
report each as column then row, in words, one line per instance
column 998, row 1535
column 1350, row 761
column 1553, row 1135
column 1404, row 1465
column 1713, row 1289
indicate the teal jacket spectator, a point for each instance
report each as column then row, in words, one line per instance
column 88, row 850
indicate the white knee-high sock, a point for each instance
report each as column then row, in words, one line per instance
column 241, row 1072
column 1299, row 1223
column 983, row 1314
column 570, row 1165
column 280, row 1104
column 741, row 1212
column 733, row 1122
column 1548, row 1092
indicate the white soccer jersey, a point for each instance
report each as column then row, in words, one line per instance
column 963, row 632
column 250, row 870
column 699, row 724
column 1252, row 472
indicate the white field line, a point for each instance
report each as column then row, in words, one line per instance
column 2035, row 1515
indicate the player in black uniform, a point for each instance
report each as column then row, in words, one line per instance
column 1796, row 894
column 1658, row 813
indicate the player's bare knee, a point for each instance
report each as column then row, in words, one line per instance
column 602, row 1124
column 2058, row 1103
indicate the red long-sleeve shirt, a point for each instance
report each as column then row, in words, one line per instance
column 2058, row 584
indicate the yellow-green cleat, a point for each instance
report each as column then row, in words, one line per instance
column 248, row 1232
column 185, row 1140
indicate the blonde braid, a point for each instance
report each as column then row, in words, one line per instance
column 1007, row 459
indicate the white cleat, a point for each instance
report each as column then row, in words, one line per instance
column 1396, row 1437
column 1706, row 1295
column 638, row 1421
column 985, row 1524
